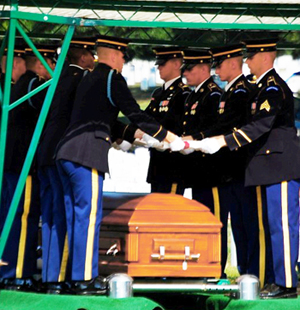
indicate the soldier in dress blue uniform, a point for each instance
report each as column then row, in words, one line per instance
column 234, row 111
column 80, row 59
column 19, row 66
column 167, row 107
column 20, row 251
column 200, row 113
column 273, row 146
column 82, row 156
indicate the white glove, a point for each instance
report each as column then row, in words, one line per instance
column 207, row 145
column 177, row 145
column 124, row 146
column 150, row 141
column 163, row 146
column 115, row 145
column 187, row 151
column 194, row 144
column 139, row 142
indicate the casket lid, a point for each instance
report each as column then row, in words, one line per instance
column 162, row 213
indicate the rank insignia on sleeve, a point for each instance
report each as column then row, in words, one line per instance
column 265, row 105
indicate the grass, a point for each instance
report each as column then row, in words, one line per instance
column 142, row 97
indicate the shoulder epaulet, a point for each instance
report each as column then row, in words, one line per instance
column 157, row 89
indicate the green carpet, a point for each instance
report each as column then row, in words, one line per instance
column 29, row 301
column 224, row 303
column 151, row 301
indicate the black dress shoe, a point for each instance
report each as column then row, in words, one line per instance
column 96, row 286
column 266, row 289
column 273, row 291
column 57, row 288
column 22, row 284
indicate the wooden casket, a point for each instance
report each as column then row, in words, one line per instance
column 159, row 235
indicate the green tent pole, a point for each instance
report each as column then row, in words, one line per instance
column 34, row 49
column 29, row 95
column 34, row 141
column 6, row 96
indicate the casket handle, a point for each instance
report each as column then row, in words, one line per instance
column 113, row 250
column 186, row 256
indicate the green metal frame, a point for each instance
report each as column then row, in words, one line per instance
column 143, row 30
column 6, row 107
column 13, row 20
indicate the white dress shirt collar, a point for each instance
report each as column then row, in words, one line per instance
column 232, row 82
column 169, row 83
column 199, row 86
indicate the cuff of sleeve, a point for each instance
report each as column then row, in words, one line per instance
column 161, row 134
column 128, row 133
column 231, row 142
column 198, row 136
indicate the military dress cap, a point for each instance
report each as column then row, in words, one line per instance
column 19, row 51
column 163, row 54
column 191, row 58
column 84, row 43
column 47, row 51
column 222, row 53
column 120, row 44
column 260, row 46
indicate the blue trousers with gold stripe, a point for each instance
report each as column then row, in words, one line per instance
column 242, row 204
column 20, row 250
column 83, row 202
column 210, row 198
column 54, row 226
column 281, row 204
